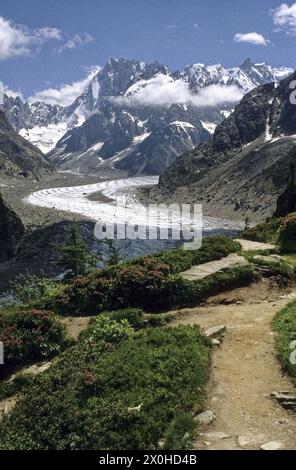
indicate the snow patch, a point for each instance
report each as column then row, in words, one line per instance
column 182, row 124
column 209, row 126
column 45, row 137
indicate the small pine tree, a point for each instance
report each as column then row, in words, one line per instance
column 75, row 257
column 115, row 256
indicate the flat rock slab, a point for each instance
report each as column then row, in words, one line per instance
column 248, row 245
column 215, row 331
column 272, row 445
column 198, row 272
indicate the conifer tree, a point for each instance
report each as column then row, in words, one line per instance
column 75, row 257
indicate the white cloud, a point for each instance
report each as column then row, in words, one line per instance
column 49, row 33
column 195, row 25
column 76, row 41
column 164, row 91
column 18, row 40
column 251, row 38
column 284, row 18
column 65, row 94
column 13, row 93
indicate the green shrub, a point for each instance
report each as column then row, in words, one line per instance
column 151, row 283
column 276, row 267
column 30, row 289
column 266, row 232
column 134, row 316
column 13, row 387
column 115, row 288
column 287, row 236
column 110, row 331
column 121, row 396
column 285, row 326
column 213, row 248
column 153, row 295
column 180, row 433
column 189, row 294
column 159, row 319
column 30, row 335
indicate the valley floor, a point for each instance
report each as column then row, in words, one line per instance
column 245, row 370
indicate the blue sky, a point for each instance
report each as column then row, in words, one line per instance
column 44, row 44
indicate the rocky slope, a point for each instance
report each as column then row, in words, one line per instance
column 11, row 232
column 19, row 158
column 245, row 165
column 110, row 127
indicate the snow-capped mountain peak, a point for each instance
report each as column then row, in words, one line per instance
column 114, row 120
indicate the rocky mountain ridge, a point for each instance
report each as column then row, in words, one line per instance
column 245, row 165
column 18, row 157
column 103, row 129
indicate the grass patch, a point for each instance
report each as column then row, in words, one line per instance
column 126, row 395
column 267, row 232
column 290, row 258
column 285, row 325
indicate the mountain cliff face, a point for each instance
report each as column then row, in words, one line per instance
column 19, row 158
column 11, row 232
column 108, row 127
column 137, row 138
column 245, row 165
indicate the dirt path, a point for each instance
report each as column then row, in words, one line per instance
column 245, row 371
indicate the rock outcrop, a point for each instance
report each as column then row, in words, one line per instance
column 19, row 158
column 11, row 232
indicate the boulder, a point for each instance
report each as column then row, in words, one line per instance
column 205, row 418
column 215, row 331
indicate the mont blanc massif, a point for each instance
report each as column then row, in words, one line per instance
column 135, row 118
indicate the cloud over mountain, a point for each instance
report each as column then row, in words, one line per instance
column 251, row 38
column 162, row 90
column 65, row 94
